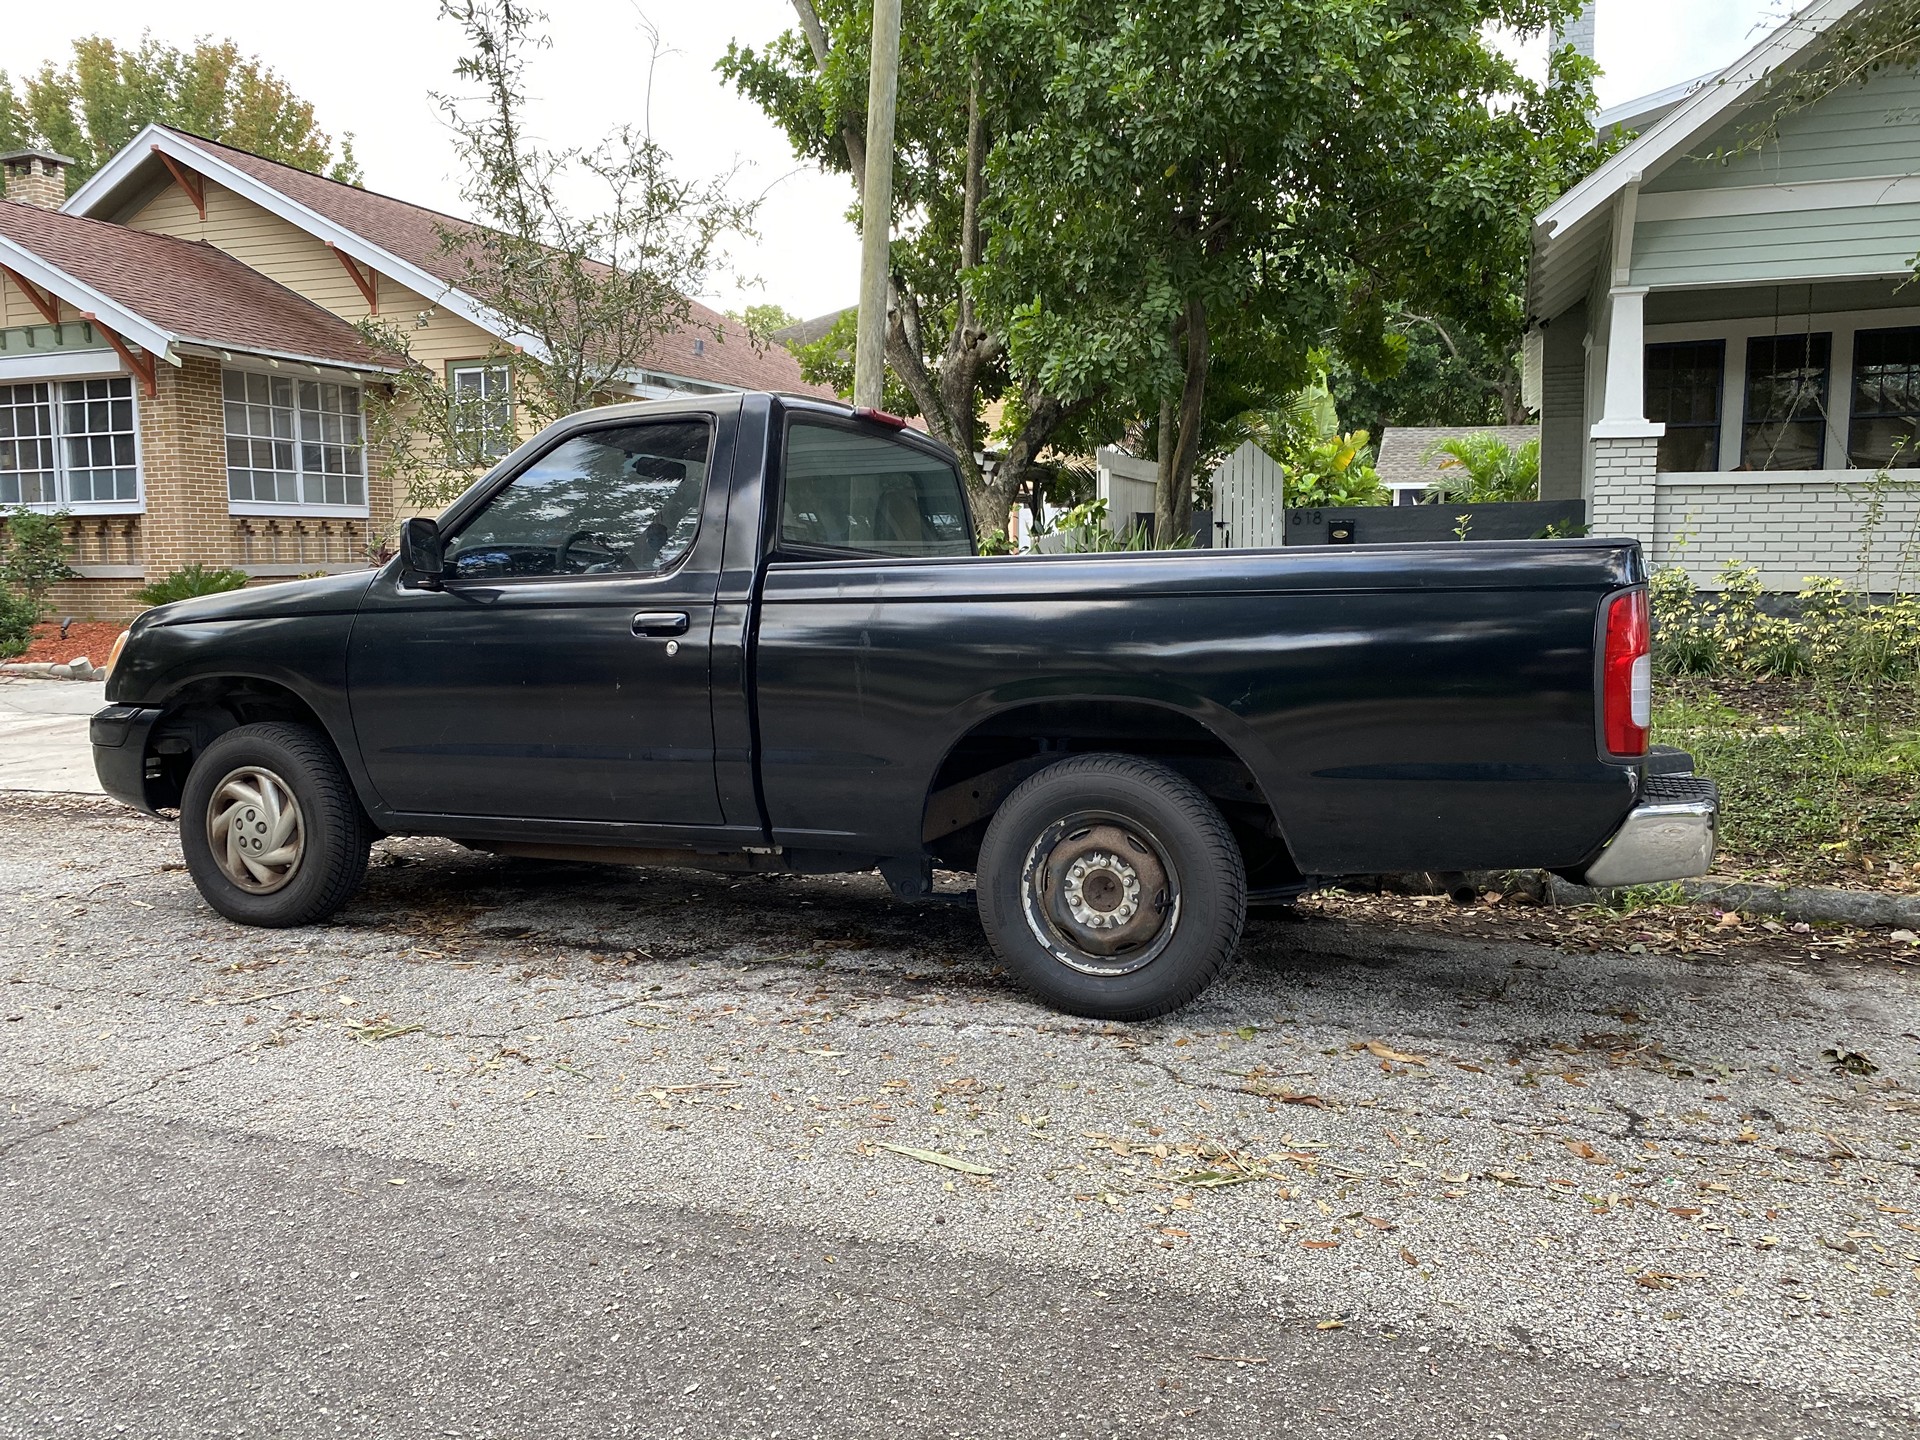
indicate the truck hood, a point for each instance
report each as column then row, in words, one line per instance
column 322, row 595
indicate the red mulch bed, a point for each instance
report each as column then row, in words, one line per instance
column 91, row 638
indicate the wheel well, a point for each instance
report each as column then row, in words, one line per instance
column 990, row 760
column 201, row 712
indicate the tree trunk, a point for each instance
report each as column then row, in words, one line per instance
column 1179, row 447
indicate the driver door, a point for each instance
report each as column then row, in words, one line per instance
column 562, row 673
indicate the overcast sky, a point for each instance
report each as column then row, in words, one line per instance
column 369, row 67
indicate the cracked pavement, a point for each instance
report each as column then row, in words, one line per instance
column 522, row 1149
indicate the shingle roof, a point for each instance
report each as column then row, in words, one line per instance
column 714, row 350
column 1403, row 448
column 188, row 289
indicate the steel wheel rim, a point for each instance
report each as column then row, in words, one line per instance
column 1099, row 894
column 255, row 830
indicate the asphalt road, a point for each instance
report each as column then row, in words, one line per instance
column 628, row 1176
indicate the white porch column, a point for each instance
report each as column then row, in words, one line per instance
column 1626, row 445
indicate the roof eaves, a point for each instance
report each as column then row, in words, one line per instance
column 227, row 349
column 1698, row 111
column 168, row 142
column 127, row 323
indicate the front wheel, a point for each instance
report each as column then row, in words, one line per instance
column 1112, row 887
column 272, row 831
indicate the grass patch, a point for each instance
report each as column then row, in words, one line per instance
column 1817, row 785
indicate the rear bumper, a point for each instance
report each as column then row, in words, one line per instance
column 119, row 736
column 1668, row 835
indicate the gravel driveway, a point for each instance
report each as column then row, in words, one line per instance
column 1377, row 1181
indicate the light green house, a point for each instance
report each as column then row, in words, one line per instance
column 1725, row 340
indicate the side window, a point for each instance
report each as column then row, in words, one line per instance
column 846, row 491
column 625, row 500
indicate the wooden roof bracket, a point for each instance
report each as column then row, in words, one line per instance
column 365, row 277
column 141, row 363
column 195, row 187
column 38, row 298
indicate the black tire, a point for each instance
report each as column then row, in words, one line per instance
column 1100, row 831
column 333, row 835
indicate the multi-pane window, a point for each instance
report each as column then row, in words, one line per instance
column 1683, row 393
column 1886, row 400
column 482, row 408
column 294, row 442
column 26, row 446
column 68, row 442
column 96, row 437
column 1786, row 422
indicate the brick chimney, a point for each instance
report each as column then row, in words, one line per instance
column 36, row 177
column 1579, row 34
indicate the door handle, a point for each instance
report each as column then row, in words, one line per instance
column 660, row 622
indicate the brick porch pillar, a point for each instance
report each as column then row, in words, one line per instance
column 1623, row 487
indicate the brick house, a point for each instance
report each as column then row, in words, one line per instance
column 180, row 372
column 1725, row 336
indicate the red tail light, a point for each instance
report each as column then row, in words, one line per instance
column 1626, row 676
column 880, row 417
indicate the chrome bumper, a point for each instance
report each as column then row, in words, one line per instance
column 1668, row 835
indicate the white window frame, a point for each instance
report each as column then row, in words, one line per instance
column 455, row 368
column 138, row 504
column 293, row 507
column 1841, row 324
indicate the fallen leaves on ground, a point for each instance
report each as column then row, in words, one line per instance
column 933, row 1157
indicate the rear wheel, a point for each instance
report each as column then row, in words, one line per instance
column 272, row 831
column 1112, row 887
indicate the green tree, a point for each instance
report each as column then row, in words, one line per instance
column 963, row 91
column 586, row 292
column 1485, row 470
column 102, row 97
column 1252, row 176
column 760, row 321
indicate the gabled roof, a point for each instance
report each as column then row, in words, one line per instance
column 404, row 242
column 1570, row 234
column 161, row 292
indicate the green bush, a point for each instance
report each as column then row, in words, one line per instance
column 1834, row 634
column 186, row 583
column 33, row 555
column 18, row 616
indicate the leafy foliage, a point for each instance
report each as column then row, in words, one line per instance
column 97, row 102
column 1834, row 635
column 190, row 581
column 17, row 619
column 586, row 295
column 1247, row 177
column 1335, row 471
column 1485, row 470
column 33, row 556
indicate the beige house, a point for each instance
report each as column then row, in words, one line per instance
column 180, row 372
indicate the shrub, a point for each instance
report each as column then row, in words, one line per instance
column 18, row 616
column 33, row 555
column 1483, row 469
column 186, row 583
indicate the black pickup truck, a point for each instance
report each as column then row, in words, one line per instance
column 749, row 632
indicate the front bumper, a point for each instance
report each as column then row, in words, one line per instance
column 119, row 736
column 1668, row 835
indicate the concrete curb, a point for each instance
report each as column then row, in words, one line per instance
column 1810, row 903
column 1789, row 902
column 79, row 669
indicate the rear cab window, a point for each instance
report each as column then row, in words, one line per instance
column 846, row 493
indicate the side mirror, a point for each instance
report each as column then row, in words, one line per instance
column 422, row 554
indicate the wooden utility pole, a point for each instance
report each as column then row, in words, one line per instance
column 876, row 207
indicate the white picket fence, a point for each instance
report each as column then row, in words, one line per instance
column 1249, row 500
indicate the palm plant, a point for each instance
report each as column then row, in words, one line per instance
column 1481, row 469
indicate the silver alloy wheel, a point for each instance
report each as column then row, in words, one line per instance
column 255, row 830
column 1099, row 893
